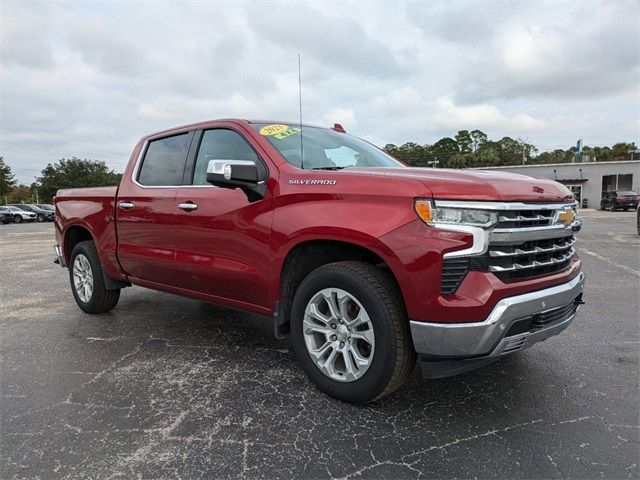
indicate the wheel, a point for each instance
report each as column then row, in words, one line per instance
column 40, row 218
column 602, row 206
column 87, row 281
column 625, row 209
column 612, row 208
column 350, row 332
column 17, row 218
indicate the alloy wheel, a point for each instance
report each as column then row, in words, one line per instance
column 338, row 335
column 83, row 278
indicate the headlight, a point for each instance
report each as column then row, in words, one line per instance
column 576, row 226
column 433, row 215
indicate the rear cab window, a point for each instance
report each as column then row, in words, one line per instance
column 164, row 160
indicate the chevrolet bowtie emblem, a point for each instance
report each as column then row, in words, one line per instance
column 565, row 216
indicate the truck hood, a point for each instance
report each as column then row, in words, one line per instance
column 481, row 185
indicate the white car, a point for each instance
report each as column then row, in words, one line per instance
column 21, row 215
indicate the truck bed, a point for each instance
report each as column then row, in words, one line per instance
column 94, row 209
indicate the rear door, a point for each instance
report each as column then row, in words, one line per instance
column 223, row 241
column 146, row 210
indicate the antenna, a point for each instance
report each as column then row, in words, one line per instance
column 300, row 98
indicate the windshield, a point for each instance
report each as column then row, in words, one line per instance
column 627, row 194
column 323, row 149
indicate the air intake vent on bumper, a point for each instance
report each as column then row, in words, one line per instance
column 453, row 272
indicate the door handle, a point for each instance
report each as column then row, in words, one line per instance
column 187, row 207
column 126, row 205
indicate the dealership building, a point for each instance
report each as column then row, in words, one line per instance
column 588, row 180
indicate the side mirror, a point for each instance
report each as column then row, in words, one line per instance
column 236, row 174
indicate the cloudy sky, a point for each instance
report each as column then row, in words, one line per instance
column 90, row 78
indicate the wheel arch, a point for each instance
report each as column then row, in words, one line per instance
column 307, row 255
column 77, row 233
column 74, row 235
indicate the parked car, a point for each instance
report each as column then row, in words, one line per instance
column 41, row 215
column 46, row 206
column 364, row 261
column 613, row 201
column 20, row 215
column 638, row 218
column 6, row 216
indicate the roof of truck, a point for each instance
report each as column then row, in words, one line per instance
column 206, row 123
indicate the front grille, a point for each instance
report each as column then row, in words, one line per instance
column 527, row 242
column 531, row 258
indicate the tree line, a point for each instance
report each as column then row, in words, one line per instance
column 466, row 149
column 65, row 173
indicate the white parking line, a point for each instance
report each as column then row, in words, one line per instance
column 605, row 259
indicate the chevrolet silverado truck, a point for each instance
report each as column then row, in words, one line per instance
column 366, row 263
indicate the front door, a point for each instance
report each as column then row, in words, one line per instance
column 146, row 209
column 223, row 240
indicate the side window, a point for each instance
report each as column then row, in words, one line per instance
column 220, row 144
column 163, row 162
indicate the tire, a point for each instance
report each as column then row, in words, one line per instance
column 612, row 208
column 391, row 357
column 17, row 218
column 625, row 209
column 84, row 262
column 40, row 218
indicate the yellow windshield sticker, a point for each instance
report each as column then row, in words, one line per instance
column 269, row 130
column 287, row 133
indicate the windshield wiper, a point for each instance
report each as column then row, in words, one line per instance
column 327, row 168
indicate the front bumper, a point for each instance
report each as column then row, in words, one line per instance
column 514, row 324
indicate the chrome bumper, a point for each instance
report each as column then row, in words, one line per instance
column 492, row 338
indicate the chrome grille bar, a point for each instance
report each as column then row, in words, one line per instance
column 521, row 218
column 535, row 264
column 509, row 236
column 519, row 252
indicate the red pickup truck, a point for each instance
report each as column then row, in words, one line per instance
column 365, row 262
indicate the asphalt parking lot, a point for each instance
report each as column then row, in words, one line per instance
column 166, row 387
